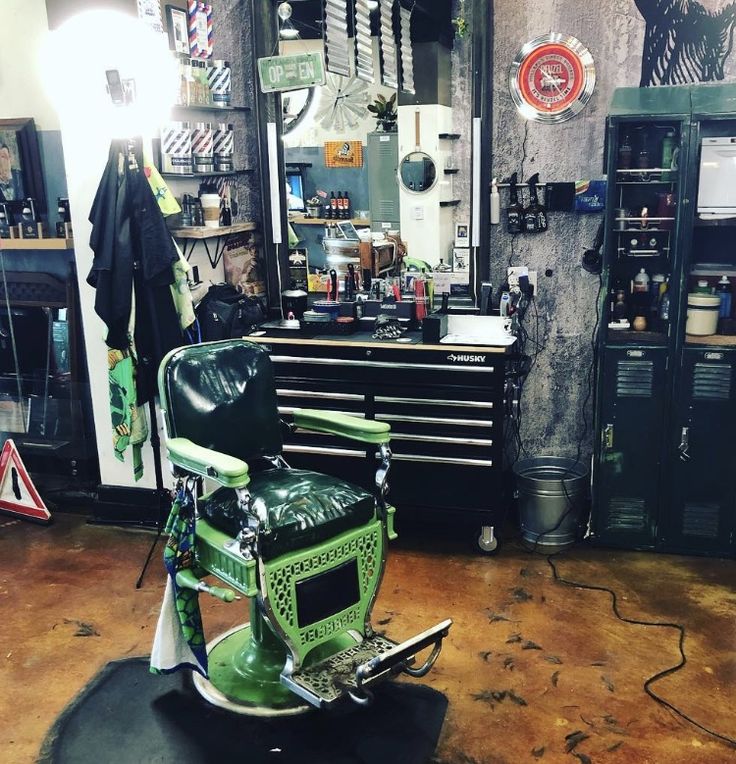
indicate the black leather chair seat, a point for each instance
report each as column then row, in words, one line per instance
column 304, row 508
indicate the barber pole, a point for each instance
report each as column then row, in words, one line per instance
column 220, row 83
column 202, row 147
column 224, row 146
column 176, row 148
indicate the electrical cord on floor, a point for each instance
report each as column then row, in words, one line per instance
column 660, row 674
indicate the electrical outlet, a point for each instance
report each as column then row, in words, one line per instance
column 521, row 270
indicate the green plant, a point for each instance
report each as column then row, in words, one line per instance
column 385, row 111
column 460, row 22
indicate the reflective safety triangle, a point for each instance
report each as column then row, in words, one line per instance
column 18, row 495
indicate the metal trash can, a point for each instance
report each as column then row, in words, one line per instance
column 553, row 493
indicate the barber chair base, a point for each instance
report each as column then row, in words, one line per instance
column 245, row 672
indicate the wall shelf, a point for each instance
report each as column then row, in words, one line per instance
column 715, row 340
column 302, row 220
column 191, row 235
column 190, row 175
column 449, row 136
column 26, row 244
column 452, row 171
column 223, row 109
column 450, row 203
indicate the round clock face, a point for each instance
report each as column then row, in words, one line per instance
column 552, row 78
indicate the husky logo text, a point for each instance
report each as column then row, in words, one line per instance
column 467, row 358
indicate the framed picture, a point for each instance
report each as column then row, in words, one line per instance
column 176, row 23
column 21, row 174
column 343, row 154
column 200, row 29
column 462, row 235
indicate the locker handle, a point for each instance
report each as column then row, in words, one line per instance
column 608, row 437
column 684, row 447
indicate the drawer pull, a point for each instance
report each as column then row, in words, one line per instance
column 442, row 460
column 434, row 420
column 379, row 364
column 441, row 439
column 317, row 394
column 323, row 450
column 434, row 402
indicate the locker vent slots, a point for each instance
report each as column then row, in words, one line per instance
column 626, row 514
column 634, row 379
column 700, row 520
column 712, row 382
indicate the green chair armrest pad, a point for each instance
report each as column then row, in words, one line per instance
column 227, row 470
column 352, row 427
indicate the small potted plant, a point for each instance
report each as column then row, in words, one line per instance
column 385, row 113
column 314, row 207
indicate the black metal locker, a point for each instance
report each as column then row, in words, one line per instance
column 700, row 511
column 632, row 428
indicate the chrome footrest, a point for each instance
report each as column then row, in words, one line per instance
column 351, row 671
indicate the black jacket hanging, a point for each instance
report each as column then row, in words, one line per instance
column 133, row 252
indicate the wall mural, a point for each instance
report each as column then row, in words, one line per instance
column 684, row 42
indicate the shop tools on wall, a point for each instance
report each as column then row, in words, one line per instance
column 529, row 219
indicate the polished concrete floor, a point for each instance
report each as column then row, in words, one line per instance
column 528, row 663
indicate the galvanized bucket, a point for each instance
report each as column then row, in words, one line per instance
column 553, row 493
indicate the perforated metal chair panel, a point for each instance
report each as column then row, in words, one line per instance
column 222, row 395
column 304, row 508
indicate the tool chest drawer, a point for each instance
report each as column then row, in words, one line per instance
column 445, row 409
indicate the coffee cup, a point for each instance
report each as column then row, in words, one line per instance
column 211, row 210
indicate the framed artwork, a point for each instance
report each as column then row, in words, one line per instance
column 176, row 23
column 21, row 174
column 462, row 235
column 343, row 154
column 199, row 17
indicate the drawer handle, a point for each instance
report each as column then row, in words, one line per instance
column 441, row 439
column 317, row 394
column 441, row 460
column 434, row 402
column 434, row 420
column 379, row 364
column 323, row 450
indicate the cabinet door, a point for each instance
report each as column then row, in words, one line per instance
column 631, row 430
column 702, row 454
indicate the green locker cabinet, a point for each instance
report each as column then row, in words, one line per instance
column 703, row 455
column 664, row 467
column 383, row 180
column 632, row 410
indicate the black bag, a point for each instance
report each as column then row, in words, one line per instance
column 225, row 313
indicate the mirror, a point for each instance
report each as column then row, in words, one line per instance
column 356, row 150
column 418, row 172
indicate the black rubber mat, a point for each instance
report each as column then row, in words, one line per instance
column 129, row 716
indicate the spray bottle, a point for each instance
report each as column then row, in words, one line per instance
column 495, row 203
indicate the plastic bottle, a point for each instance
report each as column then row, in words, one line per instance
column 641, row 281
column 495, row 203
column 668, row 150
column 724, row 290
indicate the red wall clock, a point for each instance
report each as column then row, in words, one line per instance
column 552, row 78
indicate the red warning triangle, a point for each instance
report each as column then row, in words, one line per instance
column 18, row 495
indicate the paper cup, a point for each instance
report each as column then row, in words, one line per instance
column 211, row 210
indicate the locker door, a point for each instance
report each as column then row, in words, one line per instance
column 702, row 455
column 627, row 476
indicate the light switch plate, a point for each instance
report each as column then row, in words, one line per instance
column 417, row 213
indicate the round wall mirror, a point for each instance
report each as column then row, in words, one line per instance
column 418, row 172
column 296, row 106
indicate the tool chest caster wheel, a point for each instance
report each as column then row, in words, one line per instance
column 487, row 541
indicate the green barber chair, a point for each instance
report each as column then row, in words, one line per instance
column 307, row 549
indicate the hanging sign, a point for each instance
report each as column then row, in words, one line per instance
column 18, row 495
column 280, row 73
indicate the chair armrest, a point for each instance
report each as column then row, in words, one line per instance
column 352, row 427
column 226, row 470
